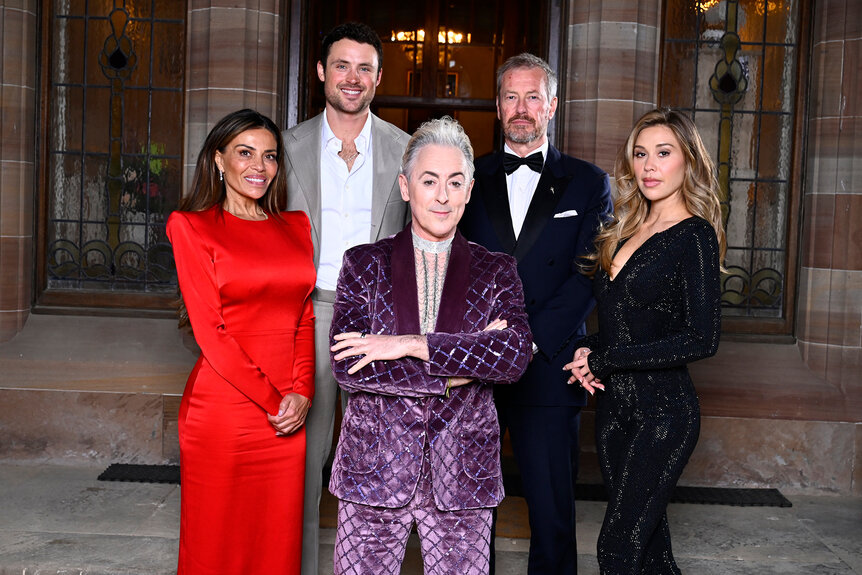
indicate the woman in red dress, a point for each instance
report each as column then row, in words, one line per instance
column 246, row 274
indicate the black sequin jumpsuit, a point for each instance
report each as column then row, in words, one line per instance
column 660, row 312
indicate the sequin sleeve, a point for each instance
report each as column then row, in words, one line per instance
column 591, row 341
column 697, row 334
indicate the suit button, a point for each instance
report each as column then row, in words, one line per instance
column 532, row 302
column 551, row 262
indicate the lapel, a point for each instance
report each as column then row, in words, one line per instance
column 550, row 188
column 405, row 297
column 387, row 161
column 495, row 198
column 453, row 300
column 303, row 149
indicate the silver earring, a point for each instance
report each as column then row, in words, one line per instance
column 220, row 176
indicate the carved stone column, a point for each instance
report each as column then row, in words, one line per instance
column 829, row 331
column 232, row 63
column 17, row 161
column 612, row 75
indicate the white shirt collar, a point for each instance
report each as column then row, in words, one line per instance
column 363, row 140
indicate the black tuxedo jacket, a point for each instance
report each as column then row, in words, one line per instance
column 572, row 198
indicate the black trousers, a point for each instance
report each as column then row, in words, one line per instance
column 545, row 441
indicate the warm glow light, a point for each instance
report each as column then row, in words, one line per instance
column 443, row 36
column 449, row 37
column 771, row 6
column 408, row 36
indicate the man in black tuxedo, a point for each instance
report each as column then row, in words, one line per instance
column 544, row 208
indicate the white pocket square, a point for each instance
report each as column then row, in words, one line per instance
column 566, row 214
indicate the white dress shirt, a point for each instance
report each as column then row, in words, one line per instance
column 345, row 201
column 521, row 185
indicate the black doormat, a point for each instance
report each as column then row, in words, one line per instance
column 141, row 473
column 739, row 497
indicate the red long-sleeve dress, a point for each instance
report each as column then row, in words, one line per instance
column 247, row 287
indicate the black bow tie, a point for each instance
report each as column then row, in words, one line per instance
column 511, row 162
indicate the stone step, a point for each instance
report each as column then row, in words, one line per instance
column 107, row 390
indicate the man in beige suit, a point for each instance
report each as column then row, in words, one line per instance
column 342, row 170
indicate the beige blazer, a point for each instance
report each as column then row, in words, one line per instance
column 389, row 213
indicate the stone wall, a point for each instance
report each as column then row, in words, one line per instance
column 233, row 61
column 19, row 101
column 611, row 76
column 829, row 329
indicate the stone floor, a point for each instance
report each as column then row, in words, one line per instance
column 61, row 520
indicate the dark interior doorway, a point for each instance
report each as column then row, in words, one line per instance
column 439, row 57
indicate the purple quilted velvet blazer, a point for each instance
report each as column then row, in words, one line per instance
column 396, row 406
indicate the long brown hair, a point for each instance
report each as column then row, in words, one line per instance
column 699, row 188
column 207, row 190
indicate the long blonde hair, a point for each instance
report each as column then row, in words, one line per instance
column 699, row 188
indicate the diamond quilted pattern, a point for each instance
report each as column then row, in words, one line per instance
column 398, row 407
column 372, row 540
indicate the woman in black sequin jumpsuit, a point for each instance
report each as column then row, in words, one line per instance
column 656, row 281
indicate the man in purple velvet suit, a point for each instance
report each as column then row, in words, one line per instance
column 425, row 324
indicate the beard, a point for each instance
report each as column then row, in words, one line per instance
column 336, row 99
column 523, row 135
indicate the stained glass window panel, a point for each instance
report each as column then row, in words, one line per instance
column 115, row 144
column 737, row 83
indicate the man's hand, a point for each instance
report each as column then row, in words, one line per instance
column 371, row 347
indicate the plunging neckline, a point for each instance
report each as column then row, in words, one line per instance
column 640, row 247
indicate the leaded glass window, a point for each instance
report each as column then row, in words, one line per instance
column 732, row 65
column 114, row 143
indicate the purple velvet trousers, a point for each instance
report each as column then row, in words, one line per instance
column 372, row 540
